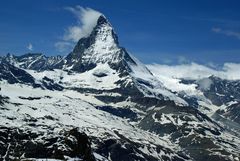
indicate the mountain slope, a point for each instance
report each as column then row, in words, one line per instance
column 50, row 112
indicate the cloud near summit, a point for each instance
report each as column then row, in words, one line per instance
column 86, row 21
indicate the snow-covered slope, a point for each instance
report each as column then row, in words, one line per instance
column 40, row 111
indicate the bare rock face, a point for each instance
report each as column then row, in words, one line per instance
column 17, row 144
column 232, row 113
column 222, row 91
column 13, row 74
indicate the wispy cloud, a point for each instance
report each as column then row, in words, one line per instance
column 219, row 21
column 30, row 47
column 226, row 32
column 86, row 21
column 63, row 46
column 212, row 19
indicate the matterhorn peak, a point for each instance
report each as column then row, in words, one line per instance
column 102, row 20
column 101, row 46
column 105, row 29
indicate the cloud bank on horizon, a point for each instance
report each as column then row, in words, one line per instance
column 195, row 71
column 86, row 21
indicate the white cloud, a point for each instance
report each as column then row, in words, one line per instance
column 170, row 76
column 87, row 19
column 63, row 46
column 226, row 32
column 205, row 83
column 30, row 47
column 229, row 71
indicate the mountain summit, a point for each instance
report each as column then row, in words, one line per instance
column 101, row 46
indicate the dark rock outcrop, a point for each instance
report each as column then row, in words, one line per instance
column 17, row 144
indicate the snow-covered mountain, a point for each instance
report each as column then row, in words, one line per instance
column 34, row 61
column 101, row 103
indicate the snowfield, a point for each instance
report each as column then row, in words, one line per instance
column 60, row 110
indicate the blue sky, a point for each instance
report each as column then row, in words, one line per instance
column 155, row 31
